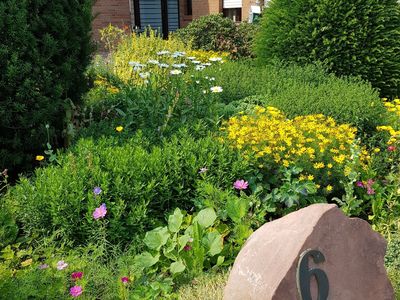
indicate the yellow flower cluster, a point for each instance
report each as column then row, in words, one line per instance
column 205, row 56
column 315, row 142
column 394, row 108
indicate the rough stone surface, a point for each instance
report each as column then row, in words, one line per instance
column 354, row 258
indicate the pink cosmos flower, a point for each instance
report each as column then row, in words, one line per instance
column 77, row 275
column 76, row 291
column 124, row 280
column 100, row 212
column 240, row 184
column 61, row 265
column 391, row 148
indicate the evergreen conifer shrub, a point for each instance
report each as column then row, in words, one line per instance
column 44, row 50
column 351, row 37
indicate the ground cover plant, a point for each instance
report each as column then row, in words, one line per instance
column 178, row 156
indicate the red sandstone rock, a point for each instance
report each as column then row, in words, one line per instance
column 354, row 258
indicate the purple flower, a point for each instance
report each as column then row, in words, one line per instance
column 61, row 265
column 100, row 212
column 240, row 184
column 203, row 170
column 124, row 280
column 43, row 266
column 360, row 184
column 75, row 291
column 97, row 191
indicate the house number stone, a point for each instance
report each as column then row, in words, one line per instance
column 304, row 275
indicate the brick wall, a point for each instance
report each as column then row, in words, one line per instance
column 184, row 18
column 116, row 12
column 206, row 7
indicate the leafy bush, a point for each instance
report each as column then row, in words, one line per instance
column 349, row 37
column 300, row 91
column 43, row 55
column 139, row 185
column 216, row 33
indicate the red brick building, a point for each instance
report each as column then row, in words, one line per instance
column 167, row 15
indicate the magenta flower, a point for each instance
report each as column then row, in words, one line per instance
column 100, row 212
column 240, row 184
column 391, row 148
column 97, row 191
column 187, row 248
column 61, row 265
column 360, row 184
column 76, row 275
column 76, row 291
column 124, row 280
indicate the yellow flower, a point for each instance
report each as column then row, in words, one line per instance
column 27, row 262
column 310, row 177
column 329, row 188
column 329, row 166
column 377, row 150
column 319, row 165
column 119, row 128
column 39, row 157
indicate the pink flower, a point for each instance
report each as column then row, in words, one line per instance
column 75, row 291
column 61, row 265
column 100, row 212
column 241, row 184
column 391, row 148
column 77, row 275
column 187, row 248
column 370, row 191
column 124, row 280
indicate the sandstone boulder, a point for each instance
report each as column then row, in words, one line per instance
column 266, row 268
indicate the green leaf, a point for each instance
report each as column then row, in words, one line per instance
column 220, row 260
column 146, row 260
column 157, row 238
column 214, row 243
column 177, row 267
column 175, row 220
column 206, row 217
column 182, row 241
column 236, row 208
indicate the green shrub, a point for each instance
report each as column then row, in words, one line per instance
column 299, row 91
column 139, row 185
column 358, row 37
column 8, row 227
column 44, row 51
column 217, row 33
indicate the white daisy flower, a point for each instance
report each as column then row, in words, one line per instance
column 163, row 65
column 215, row 59
column 175, row 72
column 163, row 52
column 216, row 89
column 144, row 75
column 153, row 62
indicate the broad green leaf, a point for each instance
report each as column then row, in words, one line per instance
column 206, row 217
column 177, row 267
column 146, row 260
column 214, row 243
column 220, row 260
column 175, row 220
column 157, row 238
column 236, row 208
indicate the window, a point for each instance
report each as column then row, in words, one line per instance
column 233, row 13
column 189, row 7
